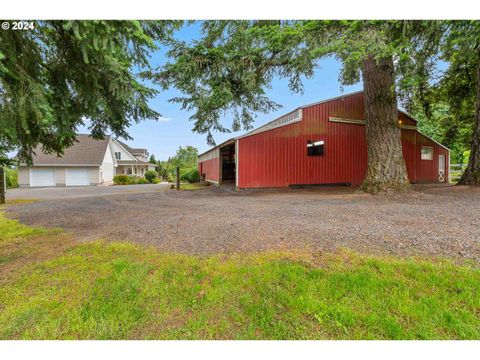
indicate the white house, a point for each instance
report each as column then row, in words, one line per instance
column 87, row 162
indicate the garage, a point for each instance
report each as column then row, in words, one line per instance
column 42, row 177
column 78, row 177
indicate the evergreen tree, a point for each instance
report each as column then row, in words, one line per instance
column 232, row 65
column 60, row 73
column 461, row 86
column 152, row 159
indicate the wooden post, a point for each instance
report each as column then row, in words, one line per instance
column 3, row 185
column 178, row 177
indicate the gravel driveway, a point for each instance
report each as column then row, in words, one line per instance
column 431, row 221
column 81, row 191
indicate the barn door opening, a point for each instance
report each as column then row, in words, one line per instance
column 441, row 168
column 227, row 157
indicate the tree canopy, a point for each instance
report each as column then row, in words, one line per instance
column 229, row 69
column 185, row 157
column 447, row 102
column 63, row 72
column 152, row 159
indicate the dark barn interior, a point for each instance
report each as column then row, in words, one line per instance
column 227, row 156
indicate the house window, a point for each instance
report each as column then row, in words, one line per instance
column 315, row 148
column 142, row 171
column 135, row 171
column 118, row 155
column 427, row 153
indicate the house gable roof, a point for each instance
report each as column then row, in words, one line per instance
column 85, row 151
column 133, row 151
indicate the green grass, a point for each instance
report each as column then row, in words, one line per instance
column 17, row 201
column 12, row 229
column 123, row 291
column 192, row 186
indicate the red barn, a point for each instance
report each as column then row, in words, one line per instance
column 321, row 143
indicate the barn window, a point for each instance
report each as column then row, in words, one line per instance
column 315, row 148
column 427, row 153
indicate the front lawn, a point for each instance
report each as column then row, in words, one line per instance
column 193, row 186
column 103, row 290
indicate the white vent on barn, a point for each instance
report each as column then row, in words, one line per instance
column 284, row 120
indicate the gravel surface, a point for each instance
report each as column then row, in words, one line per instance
column 81, row 191
column 430, row 221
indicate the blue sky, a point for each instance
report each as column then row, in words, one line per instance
column 162, row 138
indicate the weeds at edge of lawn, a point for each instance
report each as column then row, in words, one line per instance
column 20, row 201
column 13, row 229
column 17, row 202
column 193, row 186
column 123, row 291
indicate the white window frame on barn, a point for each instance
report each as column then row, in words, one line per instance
column 426, row 153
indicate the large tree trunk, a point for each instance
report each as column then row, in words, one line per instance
column 2, row 185
column 471, row 176
column 386, row 171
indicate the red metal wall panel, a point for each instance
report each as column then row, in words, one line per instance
column 210, row 168
column 278, row 157
column 409, row 147
column 427, row 170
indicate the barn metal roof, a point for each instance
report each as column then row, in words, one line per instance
column 272, row 124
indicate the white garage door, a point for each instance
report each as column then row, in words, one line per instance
column 78, row 177
column 42, row 177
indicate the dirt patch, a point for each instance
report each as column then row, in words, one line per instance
column 430, row 221
column 20, row 252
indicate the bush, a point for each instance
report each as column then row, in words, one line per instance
column 121, row 179
column 191, row 175
column 150, row 175
column 170, row 177
column 11, row 176
column 128, row 180
column 155, row 180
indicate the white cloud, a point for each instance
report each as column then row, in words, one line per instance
column 164, row 119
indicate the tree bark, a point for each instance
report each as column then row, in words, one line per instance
column 471, row 176
column 386, row 170
column 2, row 185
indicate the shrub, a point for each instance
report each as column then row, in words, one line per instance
column 11, row 176
column 128, row 180
column 121, row 179
column 135, row 179
column 170, row 177
column 191, row 175
column 150, row 175
column 155, row 180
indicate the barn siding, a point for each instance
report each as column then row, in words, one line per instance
column 210, row 169
column 278, row 157
column 428, row 169
column 287, row 163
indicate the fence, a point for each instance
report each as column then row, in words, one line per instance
column 456, row 171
